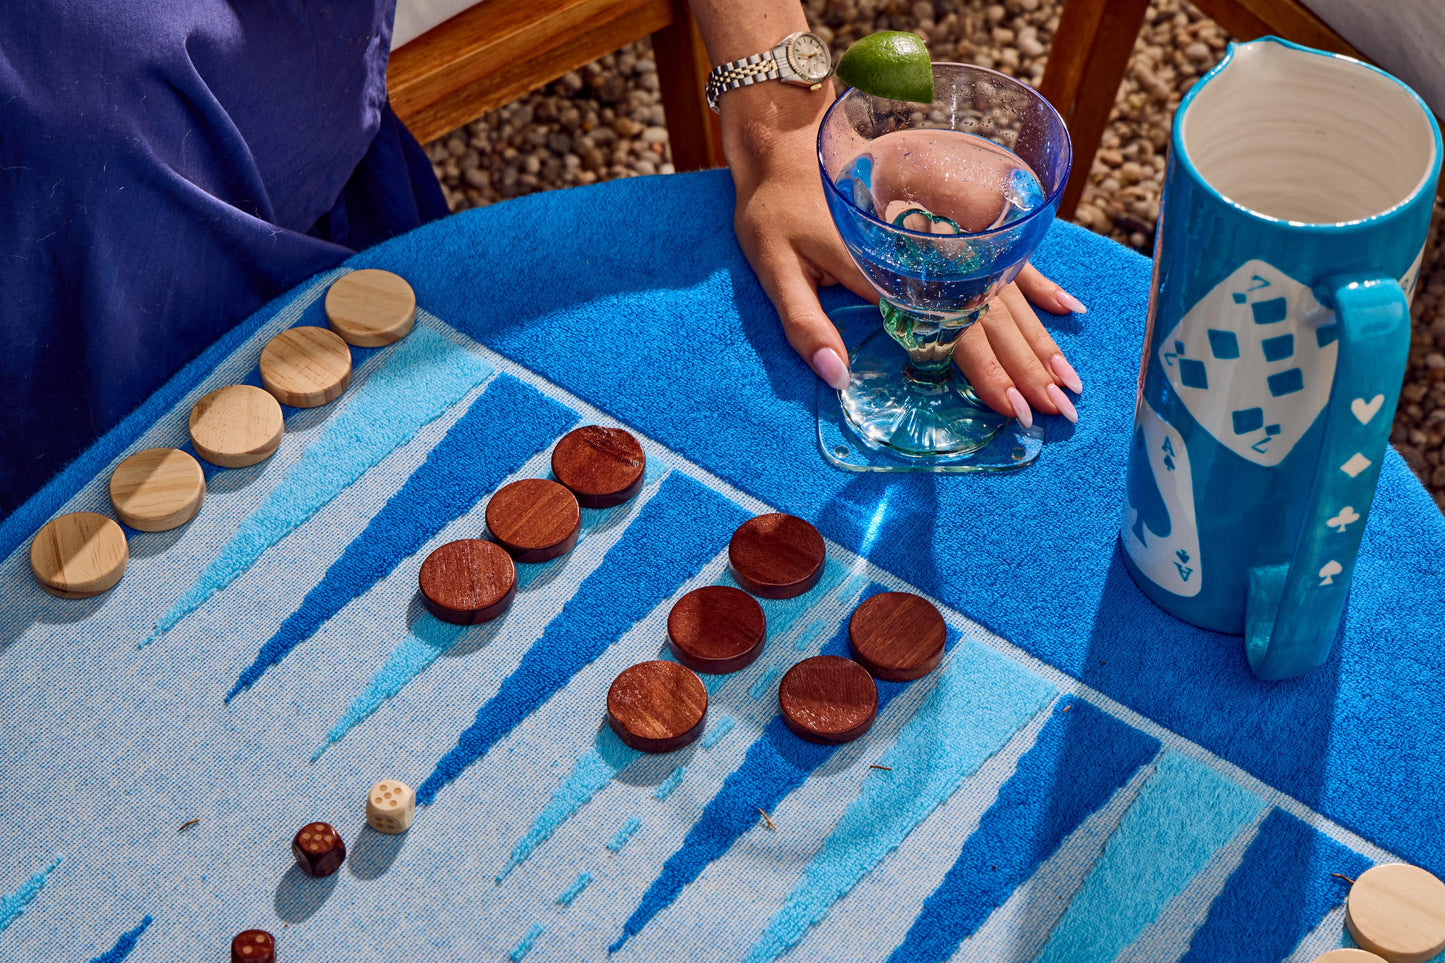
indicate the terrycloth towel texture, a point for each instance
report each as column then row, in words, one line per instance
column 124, row 945
column 665, row 323
column 94, row 732
column 1025, row 825
column 1285, row 878
column 680, row 528
column 478, row 452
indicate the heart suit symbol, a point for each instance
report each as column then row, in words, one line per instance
column 1365, row 410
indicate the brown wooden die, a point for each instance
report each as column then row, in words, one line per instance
column 319, row 849
column 253, row 946
column 776, row 556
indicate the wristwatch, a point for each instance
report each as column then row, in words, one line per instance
column 800, row 58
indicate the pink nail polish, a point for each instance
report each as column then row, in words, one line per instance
column 1067, row 374
column 1021, row 408
column 1070, row 303
column 830, row 368
column 1066, row 407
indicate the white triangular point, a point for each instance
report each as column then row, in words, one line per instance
column 1355, row 465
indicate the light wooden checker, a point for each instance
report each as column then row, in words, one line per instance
column 306, row 367
column 1347, row 954
column 157, row 489
column 371, row 308
column 1397, row 911
column 78, row 555
column 236, row 426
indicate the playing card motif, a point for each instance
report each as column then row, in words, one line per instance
column 1253, row 361
column 1160, row 532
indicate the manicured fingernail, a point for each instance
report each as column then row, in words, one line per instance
column 1066, row 407
column 1069, row 303
column 1020, row 407
column 830, row 368
column 1067, row 374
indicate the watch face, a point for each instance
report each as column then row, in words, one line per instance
column 809, row 56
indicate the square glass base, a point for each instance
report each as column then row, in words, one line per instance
column 1010, row 448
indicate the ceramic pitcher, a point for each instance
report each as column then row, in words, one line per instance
column 1294, row 217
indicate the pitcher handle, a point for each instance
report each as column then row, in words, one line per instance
column 1293, row 611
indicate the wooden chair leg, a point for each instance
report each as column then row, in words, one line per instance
column 1087, row 62
column 682, row 68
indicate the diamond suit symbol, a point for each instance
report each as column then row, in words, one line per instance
column 1355, row 465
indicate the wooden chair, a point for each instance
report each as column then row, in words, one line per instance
column 498, row 50
column 1095, row 39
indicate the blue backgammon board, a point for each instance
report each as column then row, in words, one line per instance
column 262, row 666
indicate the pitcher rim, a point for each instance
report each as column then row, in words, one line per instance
column 1379, row 217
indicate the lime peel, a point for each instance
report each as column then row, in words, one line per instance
column 890, row 63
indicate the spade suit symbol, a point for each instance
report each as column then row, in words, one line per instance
column 1328, row 573
column 1144, row 494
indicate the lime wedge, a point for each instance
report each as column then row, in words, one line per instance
column 890, row 64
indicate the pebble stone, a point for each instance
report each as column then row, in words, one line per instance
column 607, row 109
column 657, row 706
column 828, row 699
column 253, row 946
column 534, row 519
column 717, row 629
column 1397, row 911
column 79, row 554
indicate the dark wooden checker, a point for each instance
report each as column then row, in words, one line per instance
column 717, row 629
column 602, row 466
column 897, row 636
column 534, row 519
column 828, row 699
column 776, row 556
column 468, row 581
column 657, row 706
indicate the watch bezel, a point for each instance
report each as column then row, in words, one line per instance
column 793, row 61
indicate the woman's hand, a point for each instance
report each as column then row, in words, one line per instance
column 770, row 138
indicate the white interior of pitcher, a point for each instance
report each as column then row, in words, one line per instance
column 1308, row 138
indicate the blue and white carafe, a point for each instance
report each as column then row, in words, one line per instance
column 1295, row 212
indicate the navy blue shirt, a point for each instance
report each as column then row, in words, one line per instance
column 167, row 167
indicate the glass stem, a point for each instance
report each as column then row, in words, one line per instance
column 928, row 340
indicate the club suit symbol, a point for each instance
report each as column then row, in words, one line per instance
column 1344, row 519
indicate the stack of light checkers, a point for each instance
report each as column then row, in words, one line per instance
column 82, row 554
column 473, row 580
column 660, row 706
column 1396, row 914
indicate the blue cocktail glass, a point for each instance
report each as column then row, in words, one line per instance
column 963, row 218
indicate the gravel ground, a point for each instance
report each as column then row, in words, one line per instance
column 606, row 121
